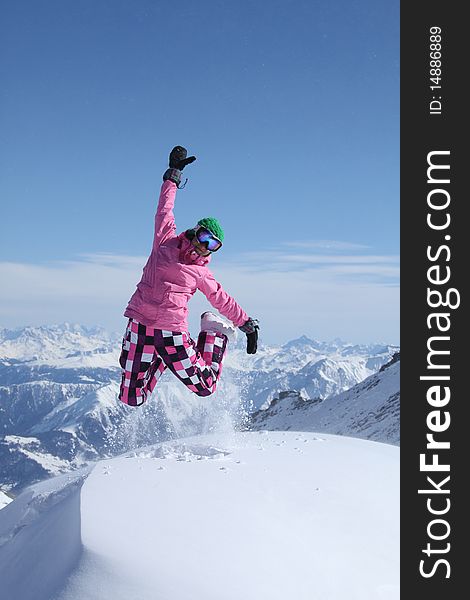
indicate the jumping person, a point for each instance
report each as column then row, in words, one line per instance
column 157, row 335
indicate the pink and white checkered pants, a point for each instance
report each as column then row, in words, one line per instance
column 147, row 352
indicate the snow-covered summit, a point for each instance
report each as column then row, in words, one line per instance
column 58, row 345
column 295, row 354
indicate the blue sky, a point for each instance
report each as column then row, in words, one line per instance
column 292, row 109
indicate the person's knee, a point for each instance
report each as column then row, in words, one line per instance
column 130, row 395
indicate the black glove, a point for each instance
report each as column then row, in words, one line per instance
column 177, row 162
column 250, row 328
column 178, row 158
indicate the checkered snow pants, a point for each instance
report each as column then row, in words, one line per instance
column 147, row 352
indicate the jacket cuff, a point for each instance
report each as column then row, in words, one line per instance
column 249, row 326
column 173, row 175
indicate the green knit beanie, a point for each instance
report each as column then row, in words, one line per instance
column 213, row 226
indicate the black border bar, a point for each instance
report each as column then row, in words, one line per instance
column 435, row 430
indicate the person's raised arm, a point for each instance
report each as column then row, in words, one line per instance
column 164, row 219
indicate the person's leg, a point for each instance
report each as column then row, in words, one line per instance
column 141, row 365
column 198, row 366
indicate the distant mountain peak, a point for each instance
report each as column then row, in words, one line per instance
column 303, row 340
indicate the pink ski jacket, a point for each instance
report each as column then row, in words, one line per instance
column 172, row 274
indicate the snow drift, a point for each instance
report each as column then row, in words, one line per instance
column 253, row 515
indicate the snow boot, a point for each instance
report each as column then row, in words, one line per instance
column 216, row 324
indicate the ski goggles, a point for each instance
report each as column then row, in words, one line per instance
column 204, row 236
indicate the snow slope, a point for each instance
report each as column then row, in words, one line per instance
column 252, row 515
column 370, row 409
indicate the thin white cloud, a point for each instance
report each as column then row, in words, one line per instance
column 322, row 259
column 353, row 300
column 325, row 245
column 105, row 258
column 378, row 267
column 374, row 270
column 82, row 291
column 318, row 303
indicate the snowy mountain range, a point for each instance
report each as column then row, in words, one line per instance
column 370, row 409
column 58, row 387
